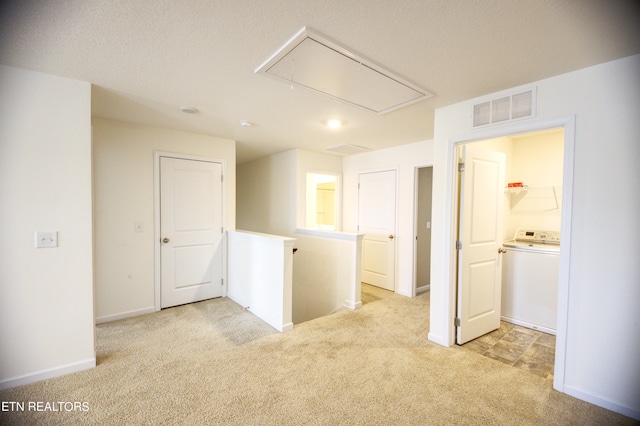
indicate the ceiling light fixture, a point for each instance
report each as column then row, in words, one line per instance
column 188, row 109
column 334, row 123
column 245, row 123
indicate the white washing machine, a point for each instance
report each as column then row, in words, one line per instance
column 530, row 269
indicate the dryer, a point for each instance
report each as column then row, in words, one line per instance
column 530, row 269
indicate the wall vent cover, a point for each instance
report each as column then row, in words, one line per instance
column 314, row 62
column 505, row 108
column 346, row 149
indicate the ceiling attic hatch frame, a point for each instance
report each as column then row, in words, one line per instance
column 314, row 62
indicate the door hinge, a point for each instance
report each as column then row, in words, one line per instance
column 457, row 322
column 221, row 178
column 458, row 245
column 222, row 281
column 461, row 167
column 222, row 229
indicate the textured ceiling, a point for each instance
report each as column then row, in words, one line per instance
column 145, row 58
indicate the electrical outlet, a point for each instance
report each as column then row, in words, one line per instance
column 46, row 239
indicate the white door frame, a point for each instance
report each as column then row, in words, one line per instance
column 568, row 124
column 156, row 219
column 395, row 225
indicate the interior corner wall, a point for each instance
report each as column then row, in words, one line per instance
column 266, row 200
column 46, row 294
column 123, row 196
column 405, row 159
column 603, row 322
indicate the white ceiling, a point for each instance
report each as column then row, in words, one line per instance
column 145, row 58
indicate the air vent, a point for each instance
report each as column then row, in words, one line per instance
column 505, row 108
column 346, row 149
column 312, row 61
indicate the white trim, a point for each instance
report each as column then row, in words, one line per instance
column 335, row 235
column 423, row 288
column 602, row 402
column 123, row 315
column 568, row 124
column 287, row 327
column 350, row 304
column 156, row 218
column 48, row 373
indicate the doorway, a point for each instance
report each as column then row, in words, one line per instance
column 422, row 250
column 567, row 125
column 189, row 229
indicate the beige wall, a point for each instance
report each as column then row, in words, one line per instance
column 123, row 161
column 46, row 294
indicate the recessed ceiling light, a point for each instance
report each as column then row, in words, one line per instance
column 188, row 109
column 334, row 123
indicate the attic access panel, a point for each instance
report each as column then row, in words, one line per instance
column 311, row 61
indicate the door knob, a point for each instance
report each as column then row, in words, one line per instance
column 391, row 237
column 501, row 250
column 165, row 240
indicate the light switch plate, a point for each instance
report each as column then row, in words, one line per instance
column 46, row 239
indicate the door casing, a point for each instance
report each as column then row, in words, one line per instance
column 156, row 219
column 568, row 124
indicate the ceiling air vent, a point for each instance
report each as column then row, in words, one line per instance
column 314, row 62
column 505, row 108
column 346, row 149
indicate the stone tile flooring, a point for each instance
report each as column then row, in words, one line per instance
column 520, row 347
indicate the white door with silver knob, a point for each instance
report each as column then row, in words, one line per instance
column 191, row 230
column 377, row 220
column 480, row 233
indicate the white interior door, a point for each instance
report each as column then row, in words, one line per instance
column 191, row 230
column 377, row 220
column 480, row 234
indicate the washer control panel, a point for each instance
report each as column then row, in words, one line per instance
column 545, row 237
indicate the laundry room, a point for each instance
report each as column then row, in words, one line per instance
column 532, row 227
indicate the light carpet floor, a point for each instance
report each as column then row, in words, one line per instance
column 214, row 363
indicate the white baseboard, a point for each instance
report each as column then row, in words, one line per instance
column 437, row 339
column 287, row 327
column 423, row 288
column 123, row 315
column 602, row 402
column 349, row 304
column 49, row 373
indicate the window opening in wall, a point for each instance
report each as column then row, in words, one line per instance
column 322, row 201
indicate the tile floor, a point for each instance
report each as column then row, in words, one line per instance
column 520, row 347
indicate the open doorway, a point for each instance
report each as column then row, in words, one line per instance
column 422, row 226
column 522, row 321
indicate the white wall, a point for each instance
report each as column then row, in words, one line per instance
column 327, row 273
column 404, row 159
column 46, row 295
column 603, row 319
column 264, row 288
column 271, row 200
column 267, row 189
column 123, row 161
